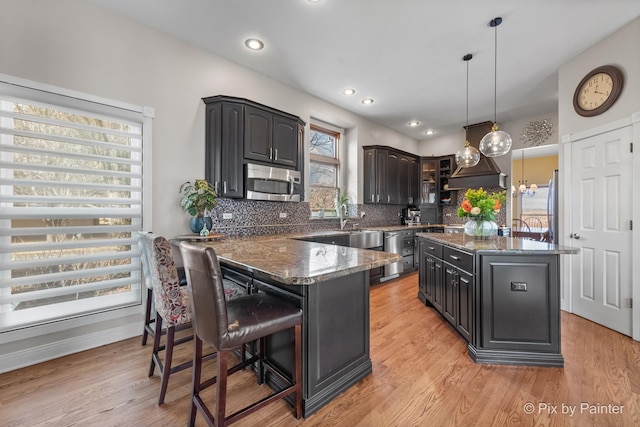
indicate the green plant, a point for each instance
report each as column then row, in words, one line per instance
column 198, row 197
column 479, row 205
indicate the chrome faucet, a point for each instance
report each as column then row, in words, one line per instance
column 343, row 213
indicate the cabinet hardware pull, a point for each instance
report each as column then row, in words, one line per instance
column 373, row 197
column 388, row 198
column 275, row 154
column 270, row 153
column 455, row 257
column 224, row 187
column 431, row 248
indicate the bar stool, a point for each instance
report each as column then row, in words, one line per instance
column 172, row 308
column 149, row 320
column 226, row 325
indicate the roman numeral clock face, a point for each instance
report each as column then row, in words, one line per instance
column 598, row 91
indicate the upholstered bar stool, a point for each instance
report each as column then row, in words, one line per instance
column 171, row 305
column 149, row 313
column 226, row 325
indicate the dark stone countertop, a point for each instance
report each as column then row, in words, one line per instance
column 498, row 245
column 294, row 262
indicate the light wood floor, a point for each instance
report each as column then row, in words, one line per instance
column 422, row 376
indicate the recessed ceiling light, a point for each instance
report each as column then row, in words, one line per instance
column 367, row 101
column 413, row 124
column 314, row 1
column 349, row 92
column 430, row 132
column 254, row 44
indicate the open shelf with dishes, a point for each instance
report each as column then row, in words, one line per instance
column 446, row 166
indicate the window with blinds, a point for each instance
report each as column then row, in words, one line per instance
column 70, row 204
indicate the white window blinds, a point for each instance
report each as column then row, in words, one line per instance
column 70, row 203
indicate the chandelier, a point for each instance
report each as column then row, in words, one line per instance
column 522, row 189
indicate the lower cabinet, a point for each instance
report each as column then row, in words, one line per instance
column 458, row 298
column 446, row 287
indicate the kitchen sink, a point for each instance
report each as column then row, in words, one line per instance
column 365, row 239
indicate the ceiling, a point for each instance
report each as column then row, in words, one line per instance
column 405, row 54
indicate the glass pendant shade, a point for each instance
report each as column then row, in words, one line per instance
column 468, row 156
column 495, row 143
column 522, row 188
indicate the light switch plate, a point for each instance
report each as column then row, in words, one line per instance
column 283, row 214
column 227, row 215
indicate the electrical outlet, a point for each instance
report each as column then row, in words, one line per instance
column 227, row 215
column 362, row 214
column 448, row 214
column 283, row 214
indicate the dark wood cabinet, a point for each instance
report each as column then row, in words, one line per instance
column 258, row 134
column 414, row 181
column 270, row 138
column 391, row 179
column 239, row 131
column 430, row 274
column 224, row 136
column 390, row 176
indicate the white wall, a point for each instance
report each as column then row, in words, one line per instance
column 79, row 46
column 621, row 49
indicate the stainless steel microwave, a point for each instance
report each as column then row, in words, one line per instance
column 274, row 184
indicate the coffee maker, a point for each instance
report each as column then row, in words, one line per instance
column 410, row 215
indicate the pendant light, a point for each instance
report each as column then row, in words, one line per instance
column 522, row 187
column 468, row 156
column 495, row 143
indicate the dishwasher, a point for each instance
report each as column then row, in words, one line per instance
column 401, row 243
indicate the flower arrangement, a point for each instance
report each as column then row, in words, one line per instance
column 480, row 206
column 198, row 197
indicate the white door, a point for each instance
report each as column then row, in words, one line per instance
column 601, row 202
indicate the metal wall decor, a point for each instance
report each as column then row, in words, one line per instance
column 536, row 132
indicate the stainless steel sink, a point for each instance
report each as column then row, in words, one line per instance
column 365, row 239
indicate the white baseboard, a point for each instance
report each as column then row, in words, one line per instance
column 53, row 350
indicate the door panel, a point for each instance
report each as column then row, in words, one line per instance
column 601, row 176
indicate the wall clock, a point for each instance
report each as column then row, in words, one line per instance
column 598, row 91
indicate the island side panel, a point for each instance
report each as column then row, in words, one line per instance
column 335, row 336
column 519, row 316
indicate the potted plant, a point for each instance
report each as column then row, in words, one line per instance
column 196, row 199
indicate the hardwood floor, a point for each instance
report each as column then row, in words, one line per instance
column 422, row 376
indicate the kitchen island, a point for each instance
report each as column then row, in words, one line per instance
column 502, row 295
column 330, row 284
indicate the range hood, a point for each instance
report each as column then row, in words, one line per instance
column 486, row 173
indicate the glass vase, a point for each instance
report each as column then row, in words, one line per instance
column 480, row 229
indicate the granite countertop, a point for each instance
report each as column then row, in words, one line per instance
column 498, row 245
column 294, row 262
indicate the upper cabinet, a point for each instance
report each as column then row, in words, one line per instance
column 270, row 138
column 390, row 176
column 239, row 131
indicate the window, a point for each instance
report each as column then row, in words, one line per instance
column 70, row 203
column 323, row 171
column 533, row 210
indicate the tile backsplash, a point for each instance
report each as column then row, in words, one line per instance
column 251, row 217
